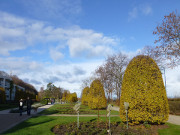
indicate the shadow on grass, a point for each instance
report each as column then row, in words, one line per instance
column 28, row 124
column 93, row 119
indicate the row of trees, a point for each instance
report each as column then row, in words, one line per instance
column 50, row 92
column 57, row 92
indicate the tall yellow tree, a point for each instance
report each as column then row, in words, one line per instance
column 97, row 99
column 85, row 96
column 144, row 89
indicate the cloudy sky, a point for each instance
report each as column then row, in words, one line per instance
column 64, row 41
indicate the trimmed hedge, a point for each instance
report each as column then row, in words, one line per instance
column 144, row 89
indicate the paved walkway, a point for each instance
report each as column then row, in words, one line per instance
column 174, row 119
column 9, row 120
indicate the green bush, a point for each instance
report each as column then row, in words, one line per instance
column 144, row 89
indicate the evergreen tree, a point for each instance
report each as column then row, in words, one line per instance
column 144, row 89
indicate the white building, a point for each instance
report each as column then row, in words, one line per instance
column 5, row 81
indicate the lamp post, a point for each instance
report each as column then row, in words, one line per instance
column 126, row 105
column 163, row 68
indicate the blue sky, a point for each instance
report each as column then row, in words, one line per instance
column 63, row 41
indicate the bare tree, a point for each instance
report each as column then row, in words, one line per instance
column 168, row 33
column 117, row 64
column 151, row 52
column 111, row 74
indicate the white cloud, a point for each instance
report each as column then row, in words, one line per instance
column 81, row 42
column 58, row 11
column 55, row 54
column 19, row 65
column 173, row 82
column 143, row 9
column 146, row 9
column 133, row 14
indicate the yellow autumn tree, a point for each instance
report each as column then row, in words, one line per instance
column 85, row 94
column 72, row 97
column 144, row 89
column 97, row 99
column 65, row 95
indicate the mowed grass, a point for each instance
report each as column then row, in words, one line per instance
column 172, row 130
column 68, row 109
column 43, row 125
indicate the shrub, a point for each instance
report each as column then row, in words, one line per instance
column 2, row 95
column 144, row 89
column 85, row 95
column 96, row 96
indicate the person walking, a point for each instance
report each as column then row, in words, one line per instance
column 28, row 102
column 21, row 104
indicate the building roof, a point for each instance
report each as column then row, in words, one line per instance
column 4, row 75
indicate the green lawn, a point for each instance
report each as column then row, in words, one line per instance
column 42, row 125
column 68, row 109
column 172, row 130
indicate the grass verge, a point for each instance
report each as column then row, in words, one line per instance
column 68, row 109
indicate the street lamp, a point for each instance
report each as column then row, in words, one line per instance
column 126, row 106
column 163, row 68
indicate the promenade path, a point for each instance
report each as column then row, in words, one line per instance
column 9, row 120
